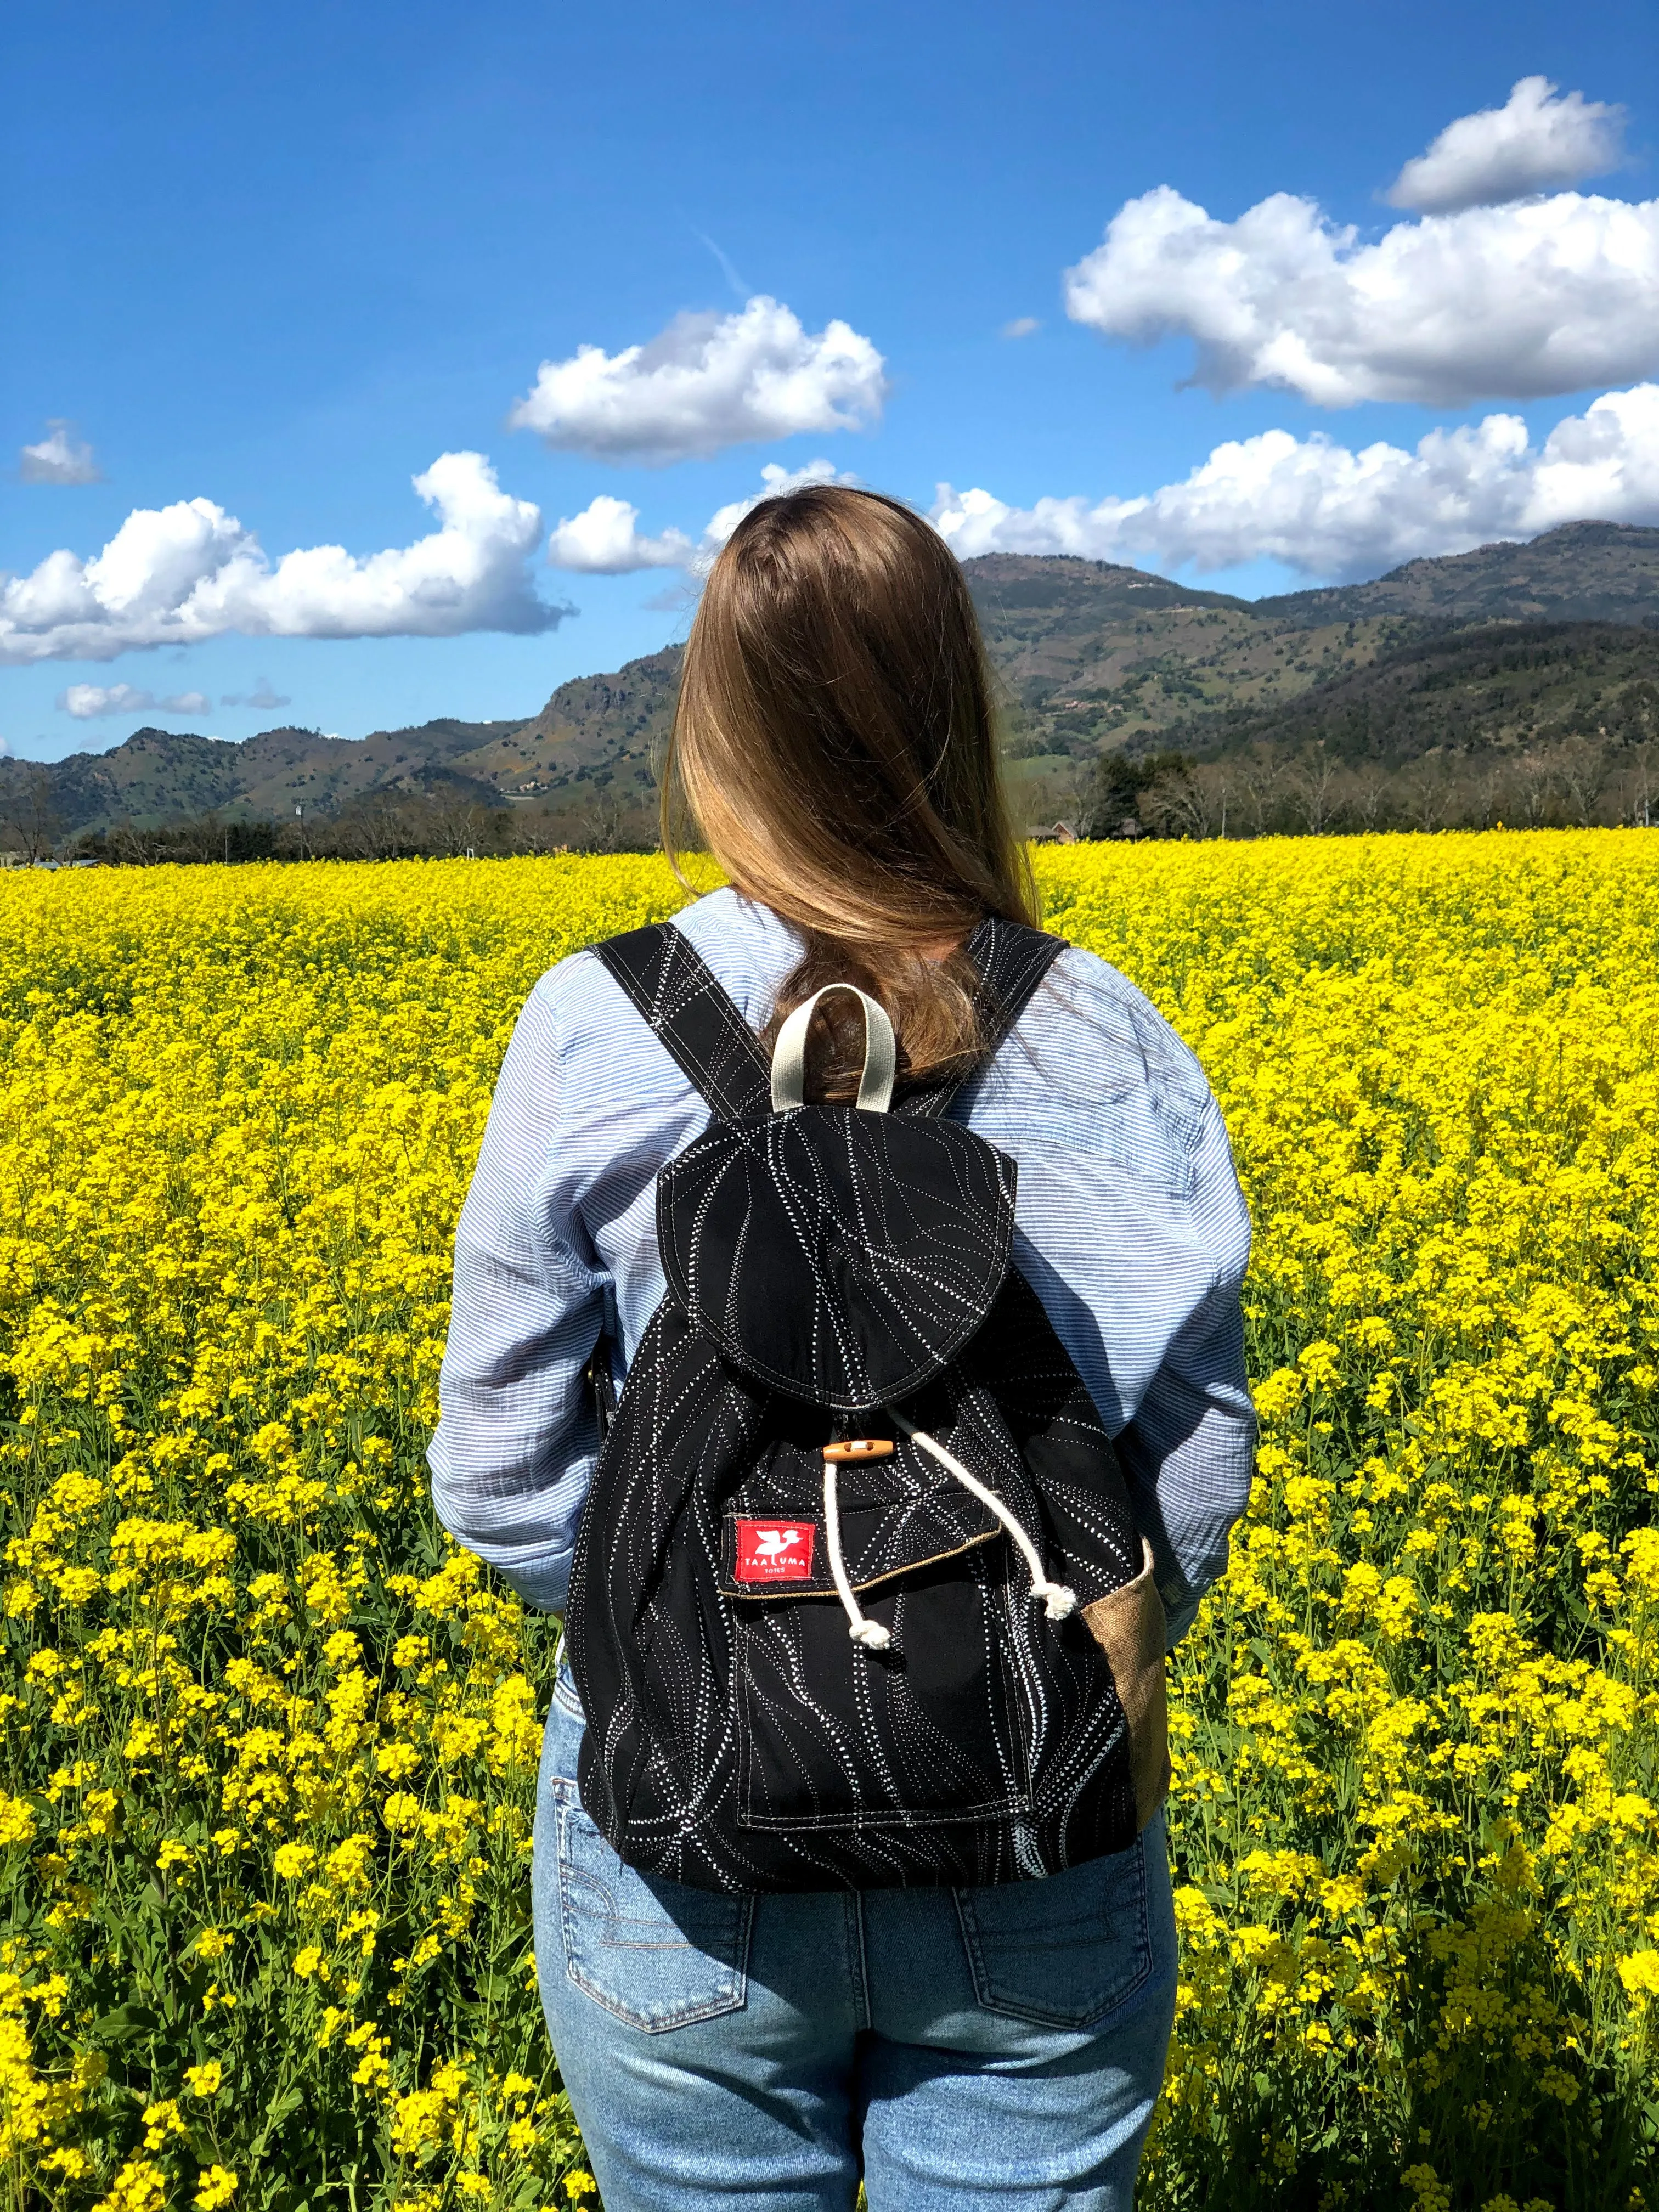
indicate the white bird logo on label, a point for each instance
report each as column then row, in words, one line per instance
column 772, row 1543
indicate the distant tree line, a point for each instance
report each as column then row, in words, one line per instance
column 1259, row 789
column 1266, row 790
column 421, row 825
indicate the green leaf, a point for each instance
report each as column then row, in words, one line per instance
column 124, row 2024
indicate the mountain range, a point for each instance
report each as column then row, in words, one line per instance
column 1092, row 657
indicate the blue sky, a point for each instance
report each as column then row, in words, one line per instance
column 282, row 259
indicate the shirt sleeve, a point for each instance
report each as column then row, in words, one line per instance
column 1189, row 1451
column 517, row 1437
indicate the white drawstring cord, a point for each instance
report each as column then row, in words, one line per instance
column 1058, row 1600
column 870, row 1633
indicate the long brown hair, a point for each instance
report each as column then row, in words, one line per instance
column 835, row 744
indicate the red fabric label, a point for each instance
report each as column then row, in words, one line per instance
column 774, row 1551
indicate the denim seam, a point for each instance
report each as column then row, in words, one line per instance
column 859, row 1961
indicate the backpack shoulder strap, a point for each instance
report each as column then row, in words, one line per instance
column 1013, row 961
column 668, row 980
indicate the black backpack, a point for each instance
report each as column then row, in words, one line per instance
column 858, row 1598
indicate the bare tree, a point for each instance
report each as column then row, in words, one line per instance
column 132, row 848
column 537, row 831
column 1532, row 779
column 372, row 833
column 1427, row 790
column 1163, row 806
column 1211, row 785
column 1261, row 774
column 1364, row 795
column 1190, row 801
column 601, row 821
column 1062, row 800
column 459, row 825
column 1313, row 785
column 1581, row 768
column 1069, row 790
column 1637, row 791
column 1487, row 795
column 30, row 814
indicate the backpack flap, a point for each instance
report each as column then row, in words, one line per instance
column 841, row 1257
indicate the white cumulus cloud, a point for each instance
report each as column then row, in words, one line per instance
column 1538, row 141
column 706, row 382
column 59, row 459
column 83, row 701
column 1336, row 514
column 179, row 574
column 1546, row 296
column 605, row 539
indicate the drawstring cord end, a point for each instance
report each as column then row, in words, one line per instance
column 1059, row 1603
column 869, row 1633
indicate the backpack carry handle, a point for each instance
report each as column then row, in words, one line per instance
column 880, row 1054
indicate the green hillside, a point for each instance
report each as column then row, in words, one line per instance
column 1582, row 572
column 1508, row 645
column 1496, row 685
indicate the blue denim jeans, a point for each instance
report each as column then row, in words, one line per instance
column 952, row 2048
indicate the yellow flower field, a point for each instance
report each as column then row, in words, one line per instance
column 271, row 1740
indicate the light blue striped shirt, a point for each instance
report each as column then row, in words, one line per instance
column 1131, row 1228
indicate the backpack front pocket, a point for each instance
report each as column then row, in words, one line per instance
column 833, row 1735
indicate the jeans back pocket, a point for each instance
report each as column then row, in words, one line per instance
column 1067, row 1951
column 656, row 1953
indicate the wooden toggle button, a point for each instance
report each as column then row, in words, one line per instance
column 859, row 1448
